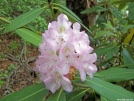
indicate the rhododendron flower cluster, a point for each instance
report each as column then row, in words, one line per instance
column 64, row 50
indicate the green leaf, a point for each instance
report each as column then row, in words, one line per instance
column 64, row 8
column 131, row 12
column 127, row 58
column 102, row 33
column 116, row 74
column 121, row 6
column 29, row 36
column 126, row 28
column 76, row 95
column 104, row 99
column 62, row 2
column 57, row 96
column 5, row 20
column 116, row 13
column 110, row 26
column 108, row 90
column 102, row 51
column 97, row 9
column 23, row 19
column 122, row 1
column 31, row 93
column 111, row 53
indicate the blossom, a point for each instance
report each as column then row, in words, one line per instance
column 56, row 80
column 64, row 51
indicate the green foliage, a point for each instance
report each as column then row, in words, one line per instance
column 0, row 40
column 102, row 33
column 23, row 19
column 12, row 66
column 104, row 50
column 106, row 89
column 2, row 55
column 5, row 74
column 104, row 99
column 76, row 95
column 13, row 46
column 131, row 12
column 116, row 74
column 96, row 9
column 127, row 58
column 14, row 8
column 35, row 39
column 57, row 96
column 31, row 93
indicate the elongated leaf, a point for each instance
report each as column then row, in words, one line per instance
column 131, row 12
column 29, row 36
column 76, row 95
column 5, row 20
column 122, row 1
column 102, row 51
column 126, row 28
column 127, row 58
column 110, row 26
column 108, row 90
column 121, row 6
column 62, row 2
column 102, row 33
column 111, row 53
column 117, row 74
column 57, row 96
column 31, row 93
column 104, row 99
column 64, row 8
column 116, row 13
column 23, row 19
column 97, row 9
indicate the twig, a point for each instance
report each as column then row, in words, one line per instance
column 31, row 59
column 9, row 76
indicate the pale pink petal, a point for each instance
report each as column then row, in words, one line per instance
column 92, row 68
column 64, row 68
column 90, row 58
column 62, row 17
column 76, row 26
column 52, row 86
column 53, row 34
column 66, row 84
column 82, row 74
column 90, row 74
column 52, row 25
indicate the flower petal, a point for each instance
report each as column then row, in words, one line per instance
column 66, row 84
column 64, row 68
column 76, row 26
column 82, row 74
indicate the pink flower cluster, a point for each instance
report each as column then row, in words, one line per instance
column 63, row 46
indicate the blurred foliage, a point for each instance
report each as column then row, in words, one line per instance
column 113, row 31
column 10, row 9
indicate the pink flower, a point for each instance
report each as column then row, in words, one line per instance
column 87, row 66
column 79, row 36
column 64, row 50
column 57, row 80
